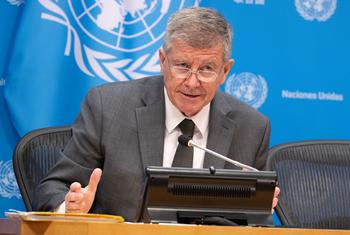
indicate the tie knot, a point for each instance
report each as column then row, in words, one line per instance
column 187, row 127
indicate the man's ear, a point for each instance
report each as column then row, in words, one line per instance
column 161, row 58
column 227, row 68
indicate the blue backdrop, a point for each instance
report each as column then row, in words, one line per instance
column 291, row 63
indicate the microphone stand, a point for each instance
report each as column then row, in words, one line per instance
column 241, row 165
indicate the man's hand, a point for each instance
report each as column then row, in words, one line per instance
column 78, row 199
column 275, row 198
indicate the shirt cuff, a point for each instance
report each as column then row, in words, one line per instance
column 61, row 209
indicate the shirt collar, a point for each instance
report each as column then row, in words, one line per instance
column 201, row 119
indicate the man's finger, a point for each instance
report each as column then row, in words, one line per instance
column 274, row 202
column 275, row 198
column 75, row 187
column 74, row 197
column 94, row 180
column 277, row 192
column 74, row 206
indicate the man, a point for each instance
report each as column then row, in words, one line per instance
column 127, row 126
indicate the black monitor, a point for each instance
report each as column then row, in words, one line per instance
column 196, row 196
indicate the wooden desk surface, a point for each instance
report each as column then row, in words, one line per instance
column 14, row 227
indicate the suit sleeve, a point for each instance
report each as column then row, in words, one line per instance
column 82, row 154
column 263, row 150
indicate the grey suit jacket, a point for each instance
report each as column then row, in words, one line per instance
column 120, row 129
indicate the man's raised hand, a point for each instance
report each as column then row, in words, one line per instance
column 79, row 199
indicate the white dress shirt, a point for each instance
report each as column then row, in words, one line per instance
column 172, row 132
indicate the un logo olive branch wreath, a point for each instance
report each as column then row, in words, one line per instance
column 97, row 63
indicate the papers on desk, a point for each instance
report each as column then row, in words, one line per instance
column 53, row 216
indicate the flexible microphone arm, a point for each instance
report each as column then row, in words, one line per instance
column 188, row 142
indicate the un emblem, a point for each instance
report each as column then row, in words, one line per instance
column 8, row 184
column 320, row 10
column 247, row 87
column 114, row 39
column 15, row 2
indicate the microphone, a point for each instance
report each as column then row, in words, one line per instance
column 188, row 142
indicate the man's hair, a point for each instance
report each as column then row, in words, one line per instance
column 199, row 28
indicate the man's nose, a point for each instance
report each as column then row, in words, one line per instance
column 192, row 80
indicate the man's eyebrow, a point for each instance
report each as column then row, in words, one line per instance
column 180, row 60
column 212, row 63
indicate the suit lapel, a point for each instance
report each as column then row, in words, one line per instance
column 151, row 124
column 221, row 132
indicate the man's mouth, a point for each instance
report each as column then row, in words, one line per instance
column 190, row 95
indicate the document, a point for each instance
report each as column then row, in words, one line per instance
column 53, row 216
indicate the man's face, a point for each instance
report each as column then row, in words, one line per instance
column 191, row 95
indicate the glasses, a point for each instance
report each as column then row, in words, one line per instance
column 203, row 75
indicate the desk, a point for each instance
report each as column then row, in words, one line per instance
column 16, row 227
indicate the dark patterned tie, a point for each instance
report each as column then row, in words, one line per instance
column 184, row 155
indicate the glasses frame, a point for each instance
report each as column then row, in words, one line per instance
column 190, row 72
